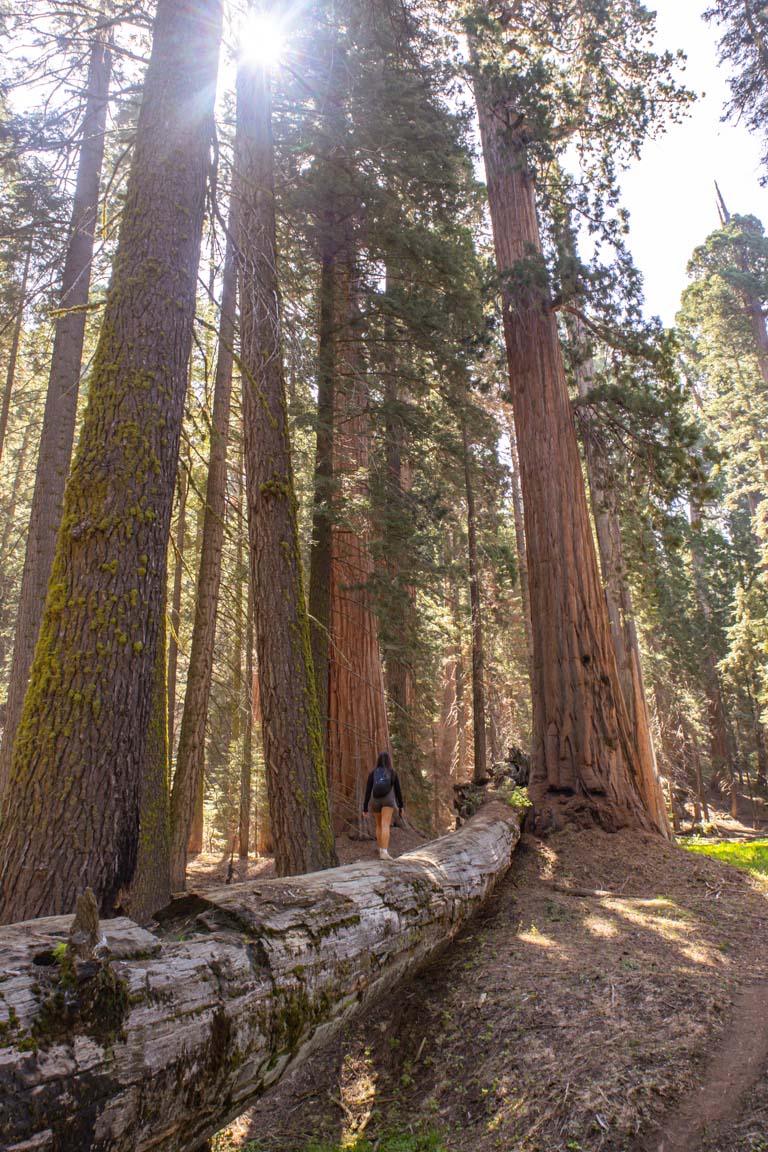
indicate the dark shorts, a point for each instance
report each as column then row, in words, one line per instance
column 379, row 802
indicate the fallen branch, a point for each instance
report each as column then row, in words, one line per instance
column 595, row 893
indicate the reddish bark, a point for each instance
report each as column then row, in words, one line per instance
column 618, row 597
column 584, row 764
column 357, row 709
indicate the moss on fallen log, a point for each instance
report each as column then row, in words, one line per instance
column 165, row 1039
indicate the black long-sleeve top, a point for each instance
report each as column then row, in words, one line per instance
column 395, row 785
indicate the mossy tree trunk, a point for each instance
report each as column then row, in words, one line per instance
column 293, row 742
column 72, row 816
column 58, row 430
column 190, row 758
column 584, row 764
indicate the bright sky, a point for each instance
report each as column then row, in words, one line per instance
column 670, row 192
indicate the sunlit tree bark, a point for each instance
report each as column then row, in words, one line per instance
column 73, row 808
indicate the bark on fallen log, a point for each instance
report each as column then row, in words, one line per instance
column 174, row 1034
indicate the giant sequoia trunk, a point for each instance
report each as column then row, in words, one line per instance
column 618, row 597
column 584, row 767
column 293, row 744
column 72, row 812
column 57, row 434
column 188, row 779
column 173, row 1037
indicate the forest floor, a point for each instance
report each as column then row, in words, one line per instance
column 558, row 1021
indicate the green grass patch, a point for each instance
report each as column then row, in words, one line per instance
column 750, row 855
column 424, row 1141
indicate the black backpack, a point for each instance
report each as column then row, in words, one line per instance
column 382, row 781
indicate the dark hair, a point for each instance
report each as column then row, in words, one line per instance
column 384, row 761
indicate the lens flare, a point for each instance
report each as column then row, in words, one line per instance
column 262, row 39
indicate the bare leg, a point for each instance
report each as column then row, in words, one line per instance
column 379, row 833
column 386, row 820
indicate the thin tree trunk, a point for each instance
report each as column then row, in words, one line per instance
column 444, row 730
column 196, row 832
column 242, row 569
column 190, row 758
column 357, row 705
column 150, row 888
column 246, row 770
column 584, row 765
column 322, row 518
column 82, row 740
column 699, row 775
column 6, row 550
column 478, row 657
column 13, row 355
column 57, row 435
column 720, row 755
column 460, row 766
column 759, row 736
column 402, row 621
column 175, row 615
column 332, row 227
column 293, row 743
column 522, row 558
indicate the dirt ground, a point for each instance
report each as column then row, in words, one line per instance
column 628, row 1013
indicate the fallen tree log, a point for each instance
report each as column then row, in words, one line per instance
column 171, row 1035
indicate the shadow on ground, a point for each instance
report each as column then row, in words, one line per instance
column 555, row 1022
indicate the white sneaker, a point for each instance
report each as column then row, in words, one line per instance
column 383, row 854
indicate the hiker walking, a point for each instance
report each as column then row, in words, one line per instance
column 383, row 794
